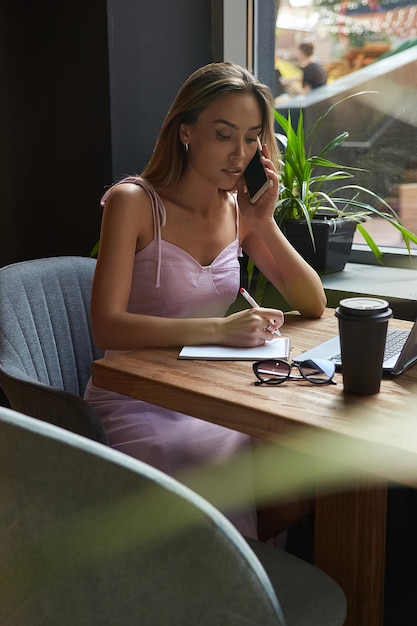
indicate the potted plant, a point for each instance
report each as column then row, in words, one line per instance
column 318, row 215
column 306, row 195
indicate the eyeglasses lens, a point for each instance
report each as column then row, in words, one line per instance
column 317, row 370
column 272, row 371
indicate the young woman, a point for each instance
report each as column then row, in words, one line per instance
column 168, row 266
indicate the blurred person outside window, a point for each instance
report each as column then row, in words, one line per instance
column 313, row 74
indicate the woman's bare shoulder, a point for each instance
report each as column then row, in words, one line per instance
column 127, row 210
column 124, row 191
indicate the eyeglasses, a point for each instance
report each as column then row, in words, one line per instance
column 275, row 372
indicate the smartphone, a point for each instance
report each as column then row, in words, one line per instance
column 256, row 180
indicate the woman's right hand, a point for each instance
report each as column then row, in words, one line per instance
column 251, row 327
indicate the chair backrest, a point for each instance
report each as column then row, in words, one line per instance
column 92, row 536
column 46, row 343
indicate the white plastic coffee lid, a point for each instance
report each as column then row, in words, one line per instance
column 363, row 306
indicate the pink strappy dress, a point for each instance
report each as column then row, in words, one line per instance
column 168, row 282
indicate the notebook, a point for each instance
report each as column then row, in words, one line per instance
column 400, row 350
column 277, row 348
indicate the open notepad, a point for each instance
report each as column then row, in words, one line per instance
column 277, row 348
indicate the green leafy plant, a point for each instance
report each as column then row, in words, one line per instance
column 94, row 250
column 303, row 194
column 309, row 189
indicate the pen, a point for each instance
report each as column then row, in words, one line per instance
column 253, row 303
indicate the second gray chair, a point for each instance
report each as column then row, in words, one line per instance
column 90, row 536
column 46, row 344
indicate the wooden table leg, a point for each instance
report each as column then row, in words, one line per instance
column 350, row 535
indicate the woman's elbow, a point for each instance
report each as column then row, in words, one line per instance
column 315, row 308
column 103, row 332
column 100, row 339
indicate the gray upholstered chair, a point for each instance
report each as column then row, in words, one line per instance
column 46, row 345
column 91, row 536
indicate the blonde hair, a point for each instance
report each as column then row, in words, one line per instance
column 203, row 86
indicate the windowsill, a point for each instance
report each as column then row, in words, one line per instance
column 397, row 285
column 393, row 257
column 395, row 281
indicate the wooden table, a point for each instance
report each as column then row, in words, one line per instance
column 367, row 440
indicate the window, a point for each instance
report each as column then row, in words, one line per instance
column 363, row 45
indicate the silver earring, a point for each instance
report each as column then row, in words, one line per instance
column 186, row 147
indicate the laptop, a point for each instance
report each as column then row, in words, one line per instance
column 400, row 351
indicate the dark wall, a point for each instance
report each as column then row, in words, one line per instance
column 85, row 85
column 154, row 46
column 55, row 126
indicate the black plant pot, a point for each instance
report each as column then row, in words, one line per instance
column 333, row 242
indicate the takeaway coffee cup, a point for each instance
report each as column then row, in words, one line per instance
column 363, row 326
